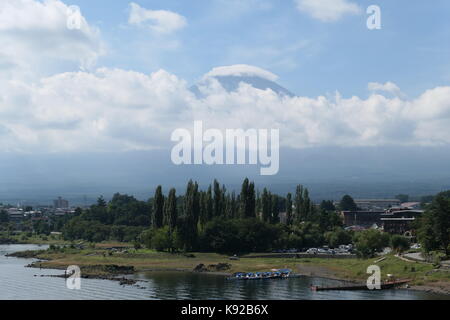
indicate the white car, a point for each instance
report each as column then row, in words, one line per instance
column 312, row 251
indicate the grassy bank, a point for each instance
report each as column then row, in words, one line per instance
column 33, row 239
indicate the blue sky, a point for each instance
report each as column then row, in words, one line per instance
column 311, row 57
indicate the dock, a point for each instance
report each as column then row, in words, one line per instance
column 384, row 286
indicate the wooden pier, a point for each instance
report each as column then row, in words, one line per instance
column 384, row 286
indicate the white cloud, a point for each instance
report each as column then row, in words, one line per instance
column 159, row 21
column 241, row 70
column 388, row 87
column 328, row 10
column 116, row 110
column 36, row 40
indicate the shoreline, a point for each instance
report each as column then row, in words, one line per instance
column 96, row 265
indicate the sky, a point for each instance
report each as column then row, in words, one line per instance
column 121, row 81
column 312, row 52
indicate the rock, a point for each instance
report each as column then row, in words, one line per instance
column 201, row 268
column 219, row 267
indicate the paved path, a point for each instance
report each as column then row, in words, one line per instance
column 415, row 256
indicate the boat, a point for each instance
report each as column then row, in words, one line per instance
column 384, row 286
column 274, row 274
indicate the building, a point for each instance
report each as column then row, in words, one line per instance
column 399, row 221
column 60, row 203
column 377, row 204
column 16, row 215
column 362, row 218
column 412, row 205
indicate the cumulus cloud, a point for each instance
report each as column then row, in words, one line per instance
column 36, row 39
column 159, row 21
column 114, row 109
column 328, row 10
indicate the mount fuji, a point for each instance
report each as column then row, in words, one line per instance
column 231, row 77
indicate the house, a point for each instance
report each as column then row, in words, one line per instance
column 376, row 204
column 400, row 221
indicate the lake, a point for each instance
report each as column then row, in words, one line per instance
column 20, row 283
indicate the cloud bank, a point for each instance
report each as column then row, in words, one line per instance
column 107, row 109
column 113, row 109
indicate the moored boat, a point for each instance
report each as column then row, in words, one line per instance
column 274, row 274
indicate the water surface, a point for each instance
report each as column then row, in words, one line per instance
column 20, row 283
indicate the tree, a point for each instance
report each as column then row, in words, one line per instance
column 4, row 216
column 158, row 208
column 218, row 207
column 191, row 216
column 248, row 199
column 338, row 237
column 162, row 240
column 101, row 202
column 171, row 211
column 303, row 205
column 289, row 217
column 399, row 243
column 327, row 205
column 298, row 203
column 348, row 204
column 369, row 242
column 434, row 232
column 209, row 204
column 275, row 209
column 266, row 202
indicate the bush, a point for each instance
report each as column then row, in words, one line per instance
column 161, row 240
column 239, row 236
column 338, row 237
column 369, row 242
column 399, row 243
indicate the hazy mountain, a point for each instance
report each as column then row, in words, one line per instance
column 328, row 172
column 231, row 83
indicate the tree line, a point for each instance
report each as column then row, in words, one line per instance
column 209, row 220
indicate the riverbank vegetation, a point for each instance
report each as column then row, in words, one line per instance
column 215, row 220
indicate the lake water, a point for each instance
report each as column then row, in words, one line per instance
column 20, row 283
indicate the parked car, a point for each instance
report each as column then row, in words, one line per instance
column 312, row 251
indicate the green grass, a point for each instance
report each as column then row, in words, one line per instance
column 34, row 239
column 144, row 259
